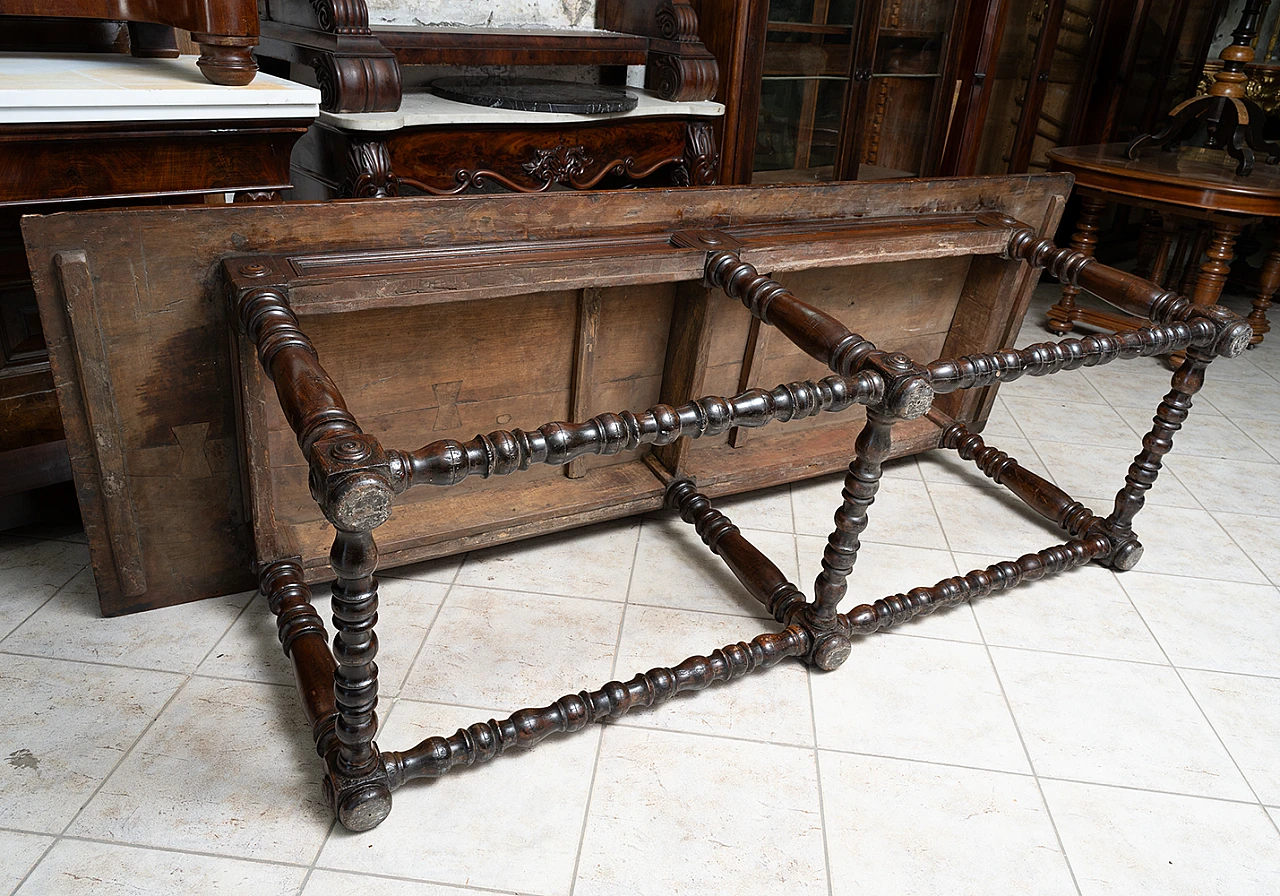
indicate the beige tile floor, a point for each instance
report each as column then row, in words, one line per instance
column 1093, row 734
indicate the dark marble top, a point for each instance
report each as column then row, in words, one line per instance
column 535, row 95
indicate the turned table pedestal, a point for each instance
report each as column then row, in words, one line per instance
column 1195, row 184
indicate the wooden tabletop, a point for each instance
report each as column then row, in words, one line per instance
column 1191, row 177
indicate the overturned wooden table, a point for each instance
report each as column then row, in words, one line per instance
column 655, row 265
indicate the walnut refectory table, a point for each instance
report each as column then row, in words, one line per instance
column 368, row 304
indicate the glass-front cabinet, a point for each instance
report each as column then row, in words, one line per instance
column 850, row 88
column 821, row 90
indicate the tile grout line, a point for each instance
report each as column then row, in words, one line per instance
column 435, row 617
column 1203, row 714
column 461, row 888
column 1062, row 847
column 44, row 603
column 193, row 673
column 1239, row 547
column 238, row 616
column 1214, row 514
column 169, row 850
column 56, row 839
column 817, row 768
column 613, row 673
column 955, row 562
column 1133, row 788
column 124, row 755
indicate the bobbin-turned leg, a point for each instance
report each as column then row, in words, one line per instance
column 861, row 482
column 757, row 573
column 866, row 619
column 356, row 785
column 305, row 642
column 525, row 728
column 1172, row 412
column 1121, row 550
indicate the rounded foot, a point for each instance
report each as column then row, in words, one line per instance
column 1127, row 557
column 361, row 808
column 831, row 651
column 1060, row 323
column 232, row 66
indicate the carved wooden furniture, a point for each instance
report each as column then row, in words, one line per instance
column 436, row 146
column 162, row 498
column 227, row 31
column 103, row 130
column 940, row 87
column 357, row 64
column 816, row 91
column 1195, row 184
column 361, row 485
column 1070, row 72
column 1232, row 120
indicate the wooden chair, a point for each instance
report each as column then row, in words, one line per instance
column 361, row 299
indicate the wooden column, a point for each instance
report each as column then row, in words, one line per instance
column 1214, row 270
column 1063, row 315
column 1268, row 282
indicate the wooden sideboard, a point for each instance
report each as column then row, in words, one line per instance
column 94, row 131
column 436, row 146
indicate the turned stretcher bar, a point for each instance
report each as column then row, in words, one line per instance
column 355, row 481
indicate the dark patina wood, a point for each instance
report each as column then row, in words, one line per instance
column 928, row 277
column 358, row 66
column 333, row 162
column 354, row 480
column 227, row 32
column 1187, row 184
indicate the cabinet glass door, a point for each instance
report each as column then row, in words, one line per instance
column 905, row 87
column 808, row 53
column 850, row 88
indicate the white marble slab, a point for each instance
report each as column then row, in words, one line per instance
column 562, row 14
column 426, row 109
column 100, row 87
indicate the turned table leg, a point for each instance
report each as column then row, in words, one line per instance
column 1213, row 272
column 1063, row 315
column 1152, row 247
column 356, row 786
column 1212, row 275
column 1268, row 282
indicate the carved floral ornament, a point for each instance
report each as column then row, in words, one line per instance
column 370, row 173
column 556, row 166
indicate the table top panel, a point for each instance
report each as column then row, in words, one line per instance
column 1192, row 177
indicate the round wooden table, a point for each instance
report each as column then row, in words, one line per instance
column 1197, row 184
